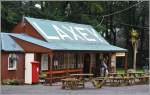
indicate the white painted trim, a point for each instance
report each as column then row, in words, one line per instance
column 29, row 57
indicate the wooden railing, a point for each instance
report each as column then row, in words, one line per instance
column 57, row 75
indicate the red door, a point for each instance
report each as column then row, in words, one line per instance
column 35, row 71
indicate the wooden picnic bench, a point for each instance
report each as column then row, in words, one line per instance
column 82, row 76
column 143, row 79
column 70, row 83
column 140, row 76
column 116, row 79
column 98, row 82
column 57, row 75
column 128, row 80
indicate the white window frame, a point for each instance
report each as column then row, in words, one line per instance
column 15, row 62
column 44, row 64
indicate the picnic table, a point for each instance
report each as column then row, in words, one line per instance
column 128, row 80
column 115, row 81
column 71, row 83
column 117, row 74
column 144, row 79
column 98, row 82
column 140, row 76
column 121, row 78
column 135, row 74
column 82, row 76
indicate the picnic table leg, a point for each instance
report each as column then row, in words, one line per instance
column 73, row 84
column 147, row 80
column 63, row 85
column 69, row 84
column 96, row 84
column 126, row 81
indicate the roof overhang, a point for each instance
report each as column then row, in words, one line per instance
column 69, row 46
column 66, row 36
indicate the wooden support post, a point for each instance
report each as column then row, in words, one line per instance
column 51, row 68
column 126, row 62
column 91, row 63
column 109, row 62
column 67, row 64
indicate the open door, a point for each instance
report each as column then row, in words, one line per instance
column 98, row 63
column 86, row 68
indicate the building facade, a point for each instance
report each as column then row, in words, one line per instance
column 63, row 48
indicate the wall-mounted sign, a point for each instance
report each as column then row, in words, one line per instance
column 120, row 54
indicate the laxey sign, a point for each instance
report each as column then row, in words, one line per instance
column 64, row 31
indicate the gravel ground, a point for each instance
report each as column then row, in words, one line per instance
column 88, row 90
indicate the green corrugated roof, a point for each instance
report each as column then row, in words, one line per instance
column 71, row 36
column 90, row 47
column 36, row 41
column 8, row 44
column 56, row 31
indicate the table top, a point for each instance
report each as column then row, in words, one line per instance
column 70, row 79
column 99, row 79
column 81, row 74
column 116, row 73
column 136, row 73
column 115, row 77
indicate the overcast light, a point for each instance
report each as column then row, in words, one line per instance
column 38, row 6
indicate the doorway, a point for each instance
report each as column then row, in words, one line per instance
column 29, row 57
column 86, row 68
column 98, row 63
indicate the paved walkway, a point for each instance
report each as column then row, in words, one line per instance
column 88, row 90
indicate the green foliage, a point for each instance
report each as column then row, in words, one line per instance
column 42, row 75
column 86, row 12
column 122, row 70
column 11, row 82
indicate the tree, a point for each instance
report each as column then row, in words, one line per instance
column 91, row 13
column 134, row 40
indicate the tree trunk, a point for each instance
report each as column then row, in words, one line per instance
column 134, row 58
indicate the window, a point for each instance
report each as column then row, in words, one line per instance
column 12, row 62
column 67, row 61
column 44, row 62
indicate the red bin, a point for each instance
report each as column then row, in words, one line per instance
column 35, row 71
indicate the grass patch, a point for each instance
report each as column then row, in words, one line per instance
column 122, row 70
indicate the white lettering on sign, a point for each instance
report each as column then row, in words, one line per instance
column 62, row 34
column 70, row 29
column 49, row 37
column 95, row 34
column 84, row 34
column 77, row 33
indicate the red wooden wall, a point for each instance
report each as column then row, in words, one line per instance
column 28, row 29
column 12, row 74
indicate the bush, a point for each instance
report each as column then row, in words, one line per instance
column 11, row 82
column 42, row 76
